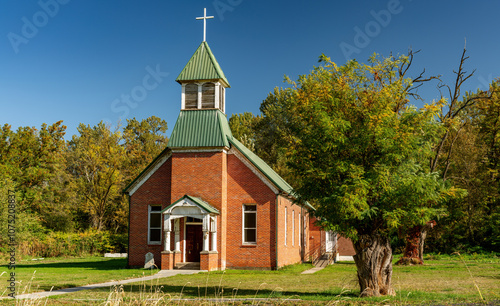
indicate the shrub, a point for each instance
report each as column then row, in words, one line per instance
column 90, row 242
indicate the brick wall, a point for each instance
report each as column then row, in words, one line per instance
column 345, row 247
column 291, row 252
column 152, row 192
column 202, row 174
column 244, row 187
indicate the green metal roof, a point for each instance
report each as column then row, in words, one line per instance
column 204, row 205
column 202, row 66
column 200, row 128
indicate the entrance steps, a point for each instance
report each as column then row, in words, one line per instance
column 187, row 266
column 323, row 261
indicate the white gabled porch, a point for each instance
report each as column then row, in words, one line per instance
column 195, row 209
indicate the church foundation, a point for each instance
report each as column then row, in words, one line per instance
column 209, row 260
column 167, row 260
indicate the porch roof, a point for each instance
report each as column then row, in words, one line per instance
column 197, row 201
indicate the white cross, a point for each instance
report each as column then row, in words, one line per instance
column 205, row 17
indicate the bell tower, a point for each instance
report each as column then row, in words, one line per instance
column 202, row 80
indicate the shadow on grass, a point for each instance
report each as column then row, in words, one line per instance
column 108, row 264
column 194, row 292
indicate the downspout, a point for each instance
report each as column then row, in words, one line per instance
column 276, row 230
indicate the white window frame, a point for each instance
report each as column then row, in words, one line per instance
column 243, row 228
column 300, row 230
column 286, row 226
column 293, row 227
column 150, row 211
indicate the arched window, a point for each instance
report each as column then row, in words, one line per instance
column 208, row 96
column 191, row 96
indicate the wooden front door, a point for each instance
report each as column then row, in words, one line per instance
column 194, row 242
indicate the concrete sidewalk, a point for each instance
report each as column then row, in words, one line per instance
column 161, row 274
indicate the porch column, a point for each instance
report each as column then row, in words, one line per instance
column 177, row 235
column 213, row 227
column 168, row 228
column 206, row 229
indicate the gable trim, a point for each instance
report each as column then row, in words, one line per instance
column 148, row 172
column 189, row 201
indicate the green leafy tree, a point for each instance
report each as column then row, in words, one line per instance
column 452, row 118
column 243, row 128
column 355, row 146
column 102, row 162
column 96, row 158
column 459, row 156
column 143, row 141
column 35, row 160
column 489, row 131
column 472, row 222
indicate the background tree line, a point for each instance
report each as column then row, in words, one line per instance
column 71, row 190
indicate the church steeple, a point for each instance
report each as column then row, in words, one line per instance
column 203, row 82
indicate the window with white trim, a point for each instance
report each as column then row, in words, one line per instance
column 293, row 227
column 249, row 224
column 154, row 225
column 286, row 227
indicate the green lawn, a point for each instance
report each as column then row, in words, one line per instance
column 441, row 280
column 58, row 273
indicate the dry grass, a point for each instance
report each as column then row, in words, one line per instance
column 445, row 280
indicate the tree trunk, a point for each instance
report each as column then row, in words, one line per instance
column 374, row 264
column 423, row 235
column 410, row 255
column 415, row 240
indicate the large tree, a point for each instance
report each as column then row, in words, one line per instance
column 143, row 141
column 96, row 159
column 355, row 146
column 34, row 159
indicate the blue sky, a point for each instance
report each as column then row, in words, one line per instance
column 78, row 61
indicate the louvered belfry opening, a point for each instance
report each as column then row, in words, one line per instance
column 191, row 96
column 208, row 95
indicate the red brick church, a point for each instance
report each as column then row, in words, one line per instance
column 207, row 198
